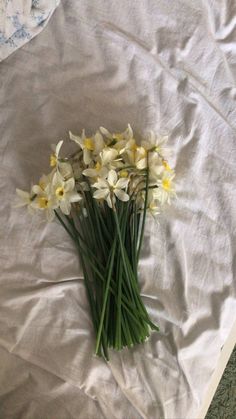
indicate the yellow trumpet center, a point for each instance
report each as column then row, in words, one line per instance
column 124, row 173
column 43, row 202
column 53, row 160
column 166, row 183
column 60, row 192
column 98, row 166
column 89, row 144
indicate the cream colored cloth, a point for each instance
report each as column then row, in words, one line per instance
column 156, row 64
column 21, row 20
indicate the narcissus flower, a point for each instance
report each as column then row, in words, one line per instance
column 64, row 192
column 111, row 188
column 91, row 146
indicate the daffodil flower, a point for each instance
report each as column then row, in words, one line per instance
column 91, row 146
column 63, row 167
column 165, row 190
column 64, row 192
column 157, row 144
column 97, row 171
column 111, row 189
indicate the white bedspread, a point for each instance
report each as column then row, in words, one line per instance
column 157, row 64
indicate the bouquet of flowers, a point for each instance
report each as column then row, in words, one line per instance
column 101, row 194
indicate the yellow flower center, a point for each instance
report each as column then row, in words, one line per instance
column 60, row 192
column 89, row 144
column 43, row 202
column 98, row 166
column 166, row 166
column 124, row 173
column 53, row 160
column 166, row 183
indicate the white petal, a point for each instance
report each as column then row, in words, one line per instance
column 69, row 184
column 107, row 155
column 98, row 143
column 90, row 172
column 65, row 169
column 77, row 139
column 105, row 132
column 121, row 195
column 65, row 206
column 58, row 147
column 122, row 183
column 36, row 189
column 142, row 164
column 109, row 201
column 101, row 193
column 100, row 184
column 87, row 156
column 75, row 197
column 112, row 177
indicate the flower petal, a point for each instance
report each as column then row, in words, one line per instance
column 58, row 147
column 78, row 140
column 69, row 184
column 90, row 172
column 122, row 183
column 65, row 206
column 101, row 194
column 121, row 195
column 107, row 155
column 87, row 156
column 112, row 177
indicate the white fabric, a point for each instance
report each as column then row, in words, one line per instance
column 169, row 66
column 21, row 20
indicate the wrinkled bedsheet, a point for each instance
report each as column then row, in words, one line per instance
column 167, row 66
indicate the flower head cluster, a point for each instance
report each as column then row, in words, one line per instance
column 111, row 167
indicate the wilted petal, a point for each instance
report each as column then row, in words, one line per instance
column 121, row 195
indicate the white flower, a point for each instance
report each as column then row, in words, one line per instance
column 135, row 155
column 119, row 136
column 64, row 192
column 108, row 155
column 96, row 171
column 24, row 199
column 63, row 167
column 111, row 188
column 165, row 190
column 55, row 156
column 157, row 144
column 91, row 146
